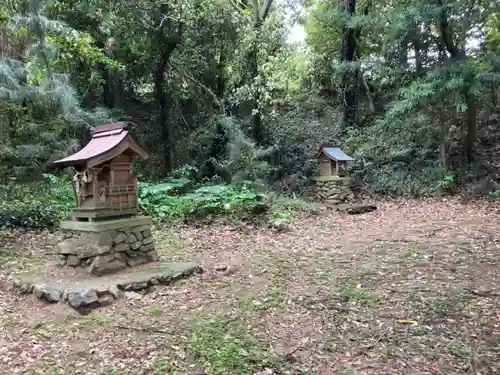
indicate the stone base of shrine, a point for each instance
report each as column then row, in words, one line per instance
column 107, row 246
column 333, row 189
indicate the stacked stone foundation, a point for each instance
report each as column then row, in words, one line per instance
column 107, row 246
column 333, row 190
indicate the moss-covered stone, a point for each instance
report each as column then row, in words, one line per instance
column 106, row 238
column 122, row 247
column 120, row 237
column 131, row 238
column 147, row 240
column 108, row 250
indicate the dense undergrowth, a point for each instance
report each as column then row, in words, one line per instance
column 35, row 205
column 43, row 204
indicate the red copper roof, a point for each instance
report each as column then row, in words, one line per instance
column 104, row 138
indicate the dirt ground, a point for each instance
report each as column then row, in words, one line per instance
column 409, row 289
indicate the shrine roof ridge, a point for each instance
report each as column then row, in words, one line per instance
column 335, row 153
column 108, row 141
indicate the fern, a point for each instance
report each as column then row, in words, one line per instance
column 51, row 98
column 244, row 160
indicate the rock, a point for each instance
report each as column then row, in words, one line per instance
column 131, row 238
column 266, row 371
column 131, row 253
column 67, row 247
column 147, row 240
column 102, row 291
column 152, row 256
column 120, row 238
column 148, row 247
column 122, row 247
column 116, row 293
column 138, row 234
column 141, row 286
column 105, row 300
column 38, row 291
column 120, row 256
column 72, row 260
column 133, row 262
column 82, row 298
column 103, row 264
column 146, row 233
column 25, row 288
column 132, row 295
column 136, row 245
column 221, row 267
column 52, row 295
column 88, row 251
column 153, row 281
column 105, row 239
column 47, row 293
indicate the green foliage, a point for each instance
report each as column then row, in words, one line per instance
column 495, row 193
column 204, row 203
column 415, row 94
column 244, row 160
column 356, row 294
column 228, row 348
column 38, row 102
column 37, row 205
column 45, row 203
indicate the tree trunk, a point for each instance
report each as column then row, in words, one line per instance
column 443, row 131
column 168, row 40
column 458, row 54
column 349, row 80
column 260, row 14
column 417, row 47
column 257, row 128
column 471, row 134
column 107, row 88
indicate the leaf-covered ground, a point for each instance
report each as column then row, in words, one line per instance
column 409, row 289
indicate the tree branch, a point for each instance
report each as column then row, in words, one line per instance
column 368, row 93
column 237, row 6
column 264, row 12
column 255, row 8
column 446, row 33
column 197, row 83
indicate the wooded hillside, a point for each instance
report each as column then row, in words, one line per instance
column 410, row 88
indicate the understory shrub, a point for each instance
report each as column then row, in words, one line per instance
column 45, row 203
column 204, row 203
column 36, row 205
column 178, row 200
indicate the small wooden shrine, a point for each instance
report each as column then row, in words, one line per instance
column 333, row 161
column 104, row 182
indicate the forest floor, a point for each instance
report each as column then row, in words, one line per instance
column 412, row 288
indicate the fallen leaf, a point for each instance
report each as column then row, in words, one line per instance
column 407, row 321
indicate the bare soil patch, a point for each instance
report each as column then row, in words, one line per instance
column 411, row 288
